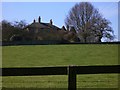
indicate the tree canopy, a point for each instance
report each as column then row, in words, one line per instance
column 89, row 24
column 12, row 31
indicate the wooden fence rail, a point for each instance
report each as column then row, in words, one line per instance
column 71, row 71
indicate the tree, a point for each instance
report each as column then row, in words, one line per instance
column 20, row 24
column 11, row 31
column 7, row 30
column 89, row 23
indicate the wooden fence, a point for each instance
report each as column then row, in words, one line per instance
column 71, row 71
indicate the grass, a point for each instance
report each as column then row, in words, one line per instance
column 59, row 55
column 54, row 55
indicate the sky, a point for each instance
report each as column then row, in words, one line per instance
column 57, row 11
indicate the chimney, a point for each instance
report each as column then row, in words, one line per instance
column 34, row 21
column 39, row 19
column 51, row 22
column 63, row 28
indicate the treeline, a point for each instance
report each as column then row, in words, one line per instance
column 15, row 31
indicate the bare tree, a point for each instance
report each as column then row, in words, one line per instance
column 20, row 24
column 89, row 23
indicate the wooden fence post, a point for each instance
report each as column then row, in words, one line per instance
column 71, row 78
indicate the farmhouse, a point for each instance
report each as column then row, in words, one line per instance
column 49, row 32
column 35, row 27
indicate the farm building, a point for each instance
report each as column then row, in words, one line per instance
column 50, row 32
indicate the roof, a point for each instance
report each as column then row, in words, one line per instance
column 42, row 25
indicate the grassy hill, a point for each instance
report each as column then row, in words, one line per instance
column 59, row 55
column 54, row 55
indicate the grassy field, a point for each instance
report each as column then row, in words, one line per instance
column 60, row 55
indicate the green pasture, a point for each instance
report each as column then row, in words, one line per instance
column 60, row 55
